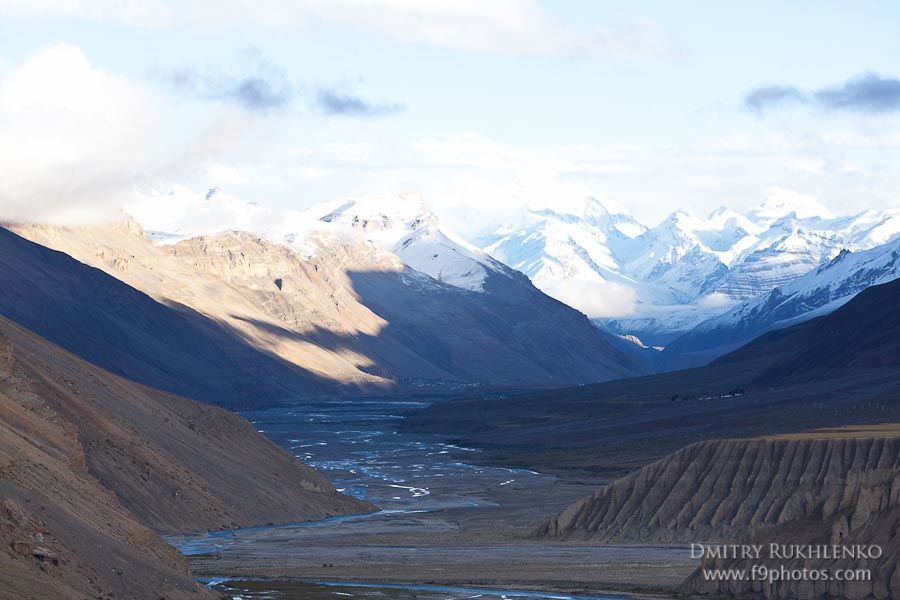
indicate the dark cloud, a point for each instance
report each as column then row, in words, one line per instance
column 767, row 96
column 333, row 102
column 867, row 93
column 257, row 85
column 258, row 92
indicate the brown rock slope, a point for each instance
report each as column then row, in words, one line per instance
column 823, row 487
column 92, row 465
column 115, row 326
column 352, row 314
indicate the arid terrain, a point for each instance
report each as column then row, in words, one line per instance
column 445, row 519
column 93, row 466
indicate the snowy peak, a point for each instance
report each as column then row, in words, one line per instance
column 402, row 225
column 582, row 208
column 381, row 216
column 444, row 257
column 728, row 222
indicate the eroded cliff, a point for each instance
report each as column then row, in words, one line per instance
column 839, row 486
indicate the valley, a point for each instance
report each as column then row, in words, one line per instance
column 446, row 411
column 444, row 518
column 449, row 300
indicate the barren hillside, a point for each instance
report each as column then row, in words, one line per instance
column 91, row 465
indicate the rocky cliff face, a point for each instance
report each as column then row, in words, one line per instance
column 93, row 465
column 828, row 487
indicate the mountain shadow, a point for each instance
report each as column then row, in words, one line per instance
column 841, row 369
column 121, row 329
column 445, row 337
column 509, row 333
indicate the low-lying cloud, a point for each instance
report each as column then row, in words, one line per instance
column 596, row 299
column 867, row 93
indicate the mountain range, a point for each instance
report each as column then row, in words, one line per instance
column 348, row 297
column 686, row 269
column 374, row 293
column 818, row 292
column 834, row 370
column 648, row 285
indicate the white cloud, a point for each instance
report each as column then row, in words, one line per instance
column 477, row 183
column 71, row 137
column 716, row 300
column 510, row 27
column 593, row 298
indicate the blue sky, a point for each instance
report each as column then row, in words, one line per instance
column 641, row 104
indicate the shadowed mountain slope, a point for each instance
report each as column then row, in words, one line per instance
column 511, row 333
column 91, row 465
column 121, row 329
column 837, row 370
column 861, row 335
column 354, row 315
column 812, row 295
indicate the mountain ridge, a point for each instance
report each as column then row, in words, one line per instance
column 839, row 369
column 327, row 309
column 820, row 291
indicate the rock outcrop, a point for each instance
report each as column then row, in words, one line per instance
column 823, row 487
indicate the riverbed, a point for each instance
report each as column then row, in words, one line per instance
column 445, row 521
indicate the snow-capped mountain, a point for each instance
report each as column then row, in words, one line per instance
column 170, row 213
column 653, row 283
column 582, row 242
column 818, row 292
column 399, row 224
column 687, row 268
column 380, row 294
column 403, row 226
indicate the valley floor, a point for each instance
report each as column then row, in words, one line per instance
column 444, row 521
